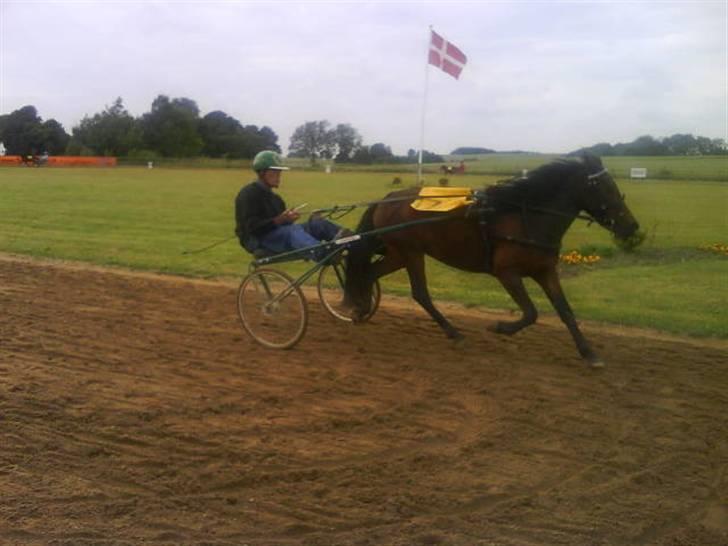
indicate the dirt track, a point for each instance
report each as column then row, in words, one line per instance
column 134, row 410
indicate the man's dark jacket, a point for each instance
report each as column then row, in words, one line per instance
column 255, row 207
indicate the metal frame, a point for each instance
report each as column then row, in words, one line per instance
column 332, row 250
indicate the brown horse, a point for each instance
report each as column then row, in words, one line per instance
column 513, row 231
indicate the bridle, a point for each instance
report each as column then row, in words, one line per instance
column 594, row 180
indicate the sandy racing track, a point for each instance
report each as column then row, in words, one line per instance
column 135, row 410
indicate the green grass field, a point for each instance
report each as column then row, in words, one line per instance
column 146, row 219
column 702, row 168
column 682, row 168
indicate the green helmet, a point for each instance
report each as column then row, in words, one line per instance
column 268, row 159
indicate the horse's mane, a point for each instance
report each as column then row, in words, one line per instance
column 537, row 186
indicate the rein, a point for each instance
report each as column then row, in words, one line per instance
column 524, row 207
column 339, row 211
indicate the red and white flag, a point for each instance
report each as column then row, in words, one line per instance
column 445, row 55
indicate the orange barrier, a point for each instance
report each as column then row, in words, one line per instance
column 64, row 161
column 10, row 160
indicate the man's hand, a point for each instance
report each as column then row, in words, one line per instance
column 287, row 217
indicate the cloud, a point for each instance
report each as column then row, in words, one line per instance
column 540, row 76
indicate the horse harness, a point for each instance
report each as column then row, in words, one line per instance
column 486, row 209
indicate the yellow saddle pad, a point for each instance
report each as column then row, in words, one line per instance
column 439, row 199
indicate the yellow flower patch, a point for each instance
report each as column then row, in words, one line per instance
column 718, row 248
column 577, row 258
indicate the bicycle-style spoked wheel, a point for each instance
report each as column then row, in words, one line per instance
column 272, row 308
column 331, row 293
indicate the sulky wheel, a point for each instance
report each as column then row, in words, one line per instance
column 331, row 293
column 272, row 308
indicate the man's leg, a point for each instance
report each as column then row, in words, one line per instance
column 287, row 238
column 322, row 229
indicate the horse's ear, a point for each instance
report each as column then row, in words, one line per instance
column 591, row 162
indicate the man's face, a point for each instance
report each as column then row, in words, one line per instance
column 272, row 178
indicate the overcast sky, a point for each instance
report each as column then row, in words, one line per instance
column 540, row 76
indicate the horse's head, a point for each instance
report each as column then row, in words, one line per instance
column 604, row 202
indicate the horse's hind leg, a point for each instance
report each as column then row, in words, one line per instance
column 415, row 264
column 552, row 287
column 513, row 283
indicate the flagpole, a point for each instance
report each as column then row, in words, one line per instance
column 424, row 107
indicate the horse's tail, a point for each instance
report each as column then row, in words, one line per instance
column 367, row 220
column 359, row 280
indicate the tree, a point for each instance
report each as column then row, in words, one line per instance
column 268, row 139
column 431, row 157
column 677, row 144
column 362, row 156
column 471, row 150
column 113, row 132
column 3, row 122
column 23, row 132
column 222, row 135
column 709, row 146
column 314, row 140
column 647, row 145
column 257, row 140
column 681, row 144
column 55, row 138
column 347, row 141
column 719, row 146
column 171, row 127
column 380, row 152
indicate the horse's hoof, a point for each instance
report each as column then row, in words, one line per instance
column 502, row 329
column 495, row 328
column 596, row 363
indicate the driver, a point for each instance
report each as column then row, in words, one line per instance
column 263, row 221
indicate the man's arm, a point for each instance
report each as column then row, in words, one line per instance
column 257, row 216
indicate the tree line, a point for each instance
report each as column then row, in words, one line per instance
column 173, row 128
column 342, row 143
column 677, row 144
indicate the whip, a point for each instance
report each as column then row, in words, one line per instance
column 208, row 247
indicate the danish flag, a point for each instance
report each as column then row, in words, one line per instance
column 446, row 56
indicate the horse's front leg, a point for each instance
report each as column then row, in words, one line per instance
column 415, row 264
column 551, row 285
column 513, row 283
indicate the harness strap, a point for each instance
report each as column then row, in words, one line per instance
column 597, row 175
column 529, row 242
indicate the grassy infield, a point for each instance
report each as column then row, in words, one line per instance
column 145, row 219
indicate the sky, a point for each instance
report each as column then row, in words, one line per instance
column 541, row 76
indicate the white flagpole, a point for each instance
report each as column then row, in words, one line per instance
column 424, row 107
